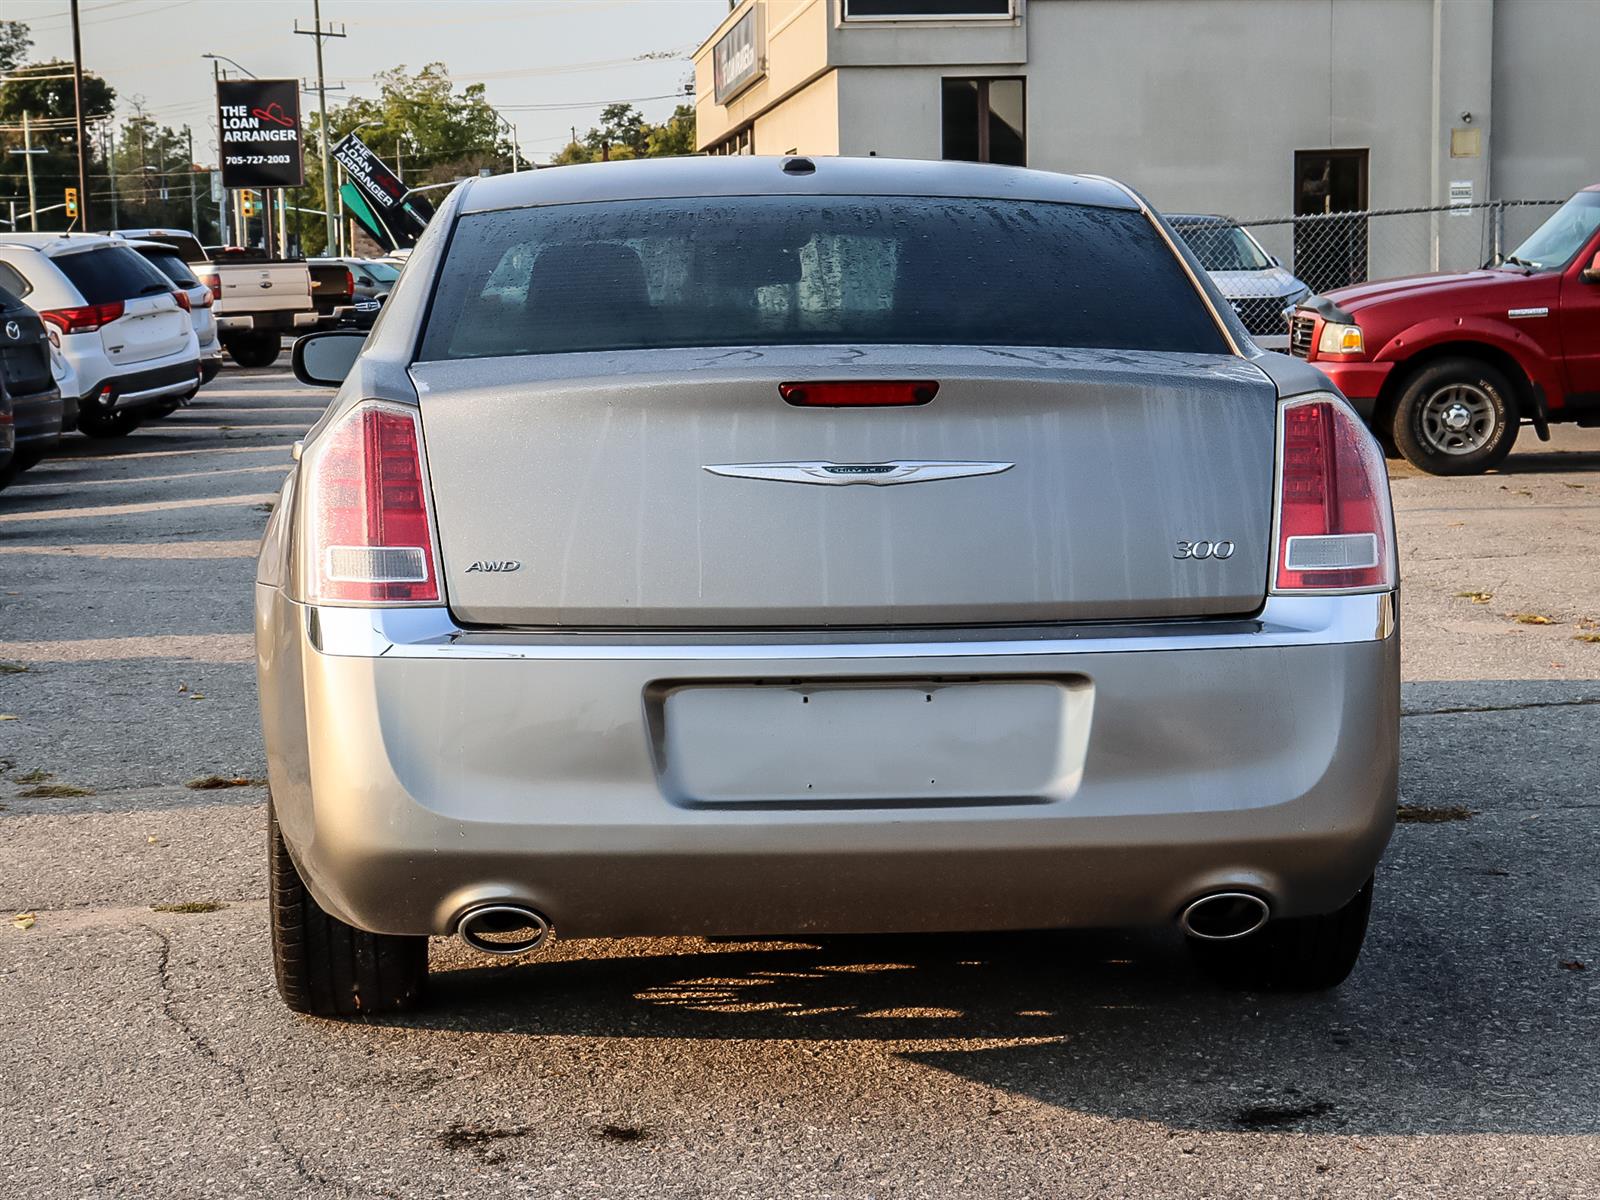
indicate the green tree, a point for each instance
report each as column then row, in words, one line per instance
column 418, row 123
column 152, row 175
column 44, row 92
column 15, row 41
column 624, row 133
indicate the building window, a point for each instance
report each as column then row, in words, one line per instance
column 741, row 142
column 985, row 121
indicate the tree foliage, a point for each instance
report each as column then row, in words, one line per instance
column 624, row 133
column 15, row 42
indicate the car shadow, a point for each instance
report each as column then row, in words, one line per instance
column 1117, row 1024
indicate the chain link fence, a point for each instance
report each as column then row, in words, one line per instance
column 1257, row 262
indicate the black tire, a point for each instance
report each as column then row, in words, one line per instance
column 254, row 349
column 325, row 967
column 1298, row 954
column 108, row 425
column 1457, row 388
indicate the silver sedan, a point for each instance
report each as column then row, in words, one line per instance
column 791, row 547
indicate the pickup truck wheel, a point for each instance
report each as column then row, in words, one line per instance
column 108, row 424
column 1456, row 417
column 254, row 349
column 1295, row 954
column 325, row 967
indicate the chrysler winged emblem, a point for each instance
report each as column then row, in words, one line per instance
column 878, row 474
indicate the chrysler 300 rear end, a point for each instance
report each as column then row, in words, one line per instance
column 758, row 549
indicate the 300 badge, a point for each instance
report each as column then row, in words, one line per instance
column 1217, row 550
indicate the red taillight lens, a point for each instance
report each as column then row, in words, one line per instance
column 183, row 300
column 1334, row 524
column 83, row 320
column 371, row 533
column 207, row 298
column 862, row 394
column 349, row 282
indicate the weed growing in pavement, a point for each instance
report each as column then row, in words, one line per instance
column 207, row 783
column 54, row 791
column 190, row 906
column 1417, row 815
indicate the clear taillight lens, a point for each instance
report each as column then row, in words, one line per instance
column 369, row 524
column 1335, row 531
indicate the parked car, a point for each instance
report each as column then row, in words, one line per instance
column 367, row 283
column 126, row 344
column 1448, row 367
column 861, row 545
column 201, row 304
column 31, row 411
column 1261, row 291
column 257, row 299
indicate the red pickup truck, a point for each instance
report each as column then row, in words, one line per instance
column 1446, row 368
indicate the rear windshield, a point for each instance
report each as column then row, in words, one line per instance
column 109, row 273
column 171, row 264
column 781, row 270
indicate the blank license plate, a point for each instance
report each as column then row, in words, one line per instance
column 899, row 742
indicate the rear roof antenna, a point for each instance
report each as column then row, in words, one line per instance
column 799, row 166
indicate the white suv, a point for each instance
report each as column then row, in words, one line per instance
column 125, row 344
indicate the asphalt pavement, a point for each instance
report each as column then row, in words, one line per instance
column 145, row 1053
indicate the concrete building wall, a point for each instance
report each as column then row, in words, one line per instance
column 1546, row 99
column 807, row 122
column 1140, row 91
column 796, row 52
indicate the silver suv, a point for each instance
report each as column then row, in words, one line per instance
column 757, row 546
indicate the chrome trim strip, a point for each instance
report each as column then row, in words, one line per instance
column 1517, row 314
column 1205, row 298
column 877, row 474
column 429, row 632
column 166, row 389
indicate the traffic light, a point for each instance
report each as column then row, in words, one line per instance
column 247, row 202
column 72, row 203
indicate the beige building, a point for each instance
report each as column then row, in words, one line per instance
column 1249, row 107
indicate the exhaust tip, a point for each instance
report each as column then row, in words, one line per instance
column 503, row 929
column 1223, row 916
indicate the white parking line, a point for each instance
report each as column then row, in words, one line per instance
column 128, row 510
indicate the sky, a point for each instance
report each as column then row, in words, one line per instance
column 548, row 64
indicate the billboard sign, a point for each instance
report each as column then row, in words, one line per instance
column 736, row 60
column 259, row 122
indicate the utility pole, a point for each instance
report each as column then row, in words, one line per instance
column 318, row 32
column 83, row 139
column 111, row 171
column 194, row 199
column 27, row 157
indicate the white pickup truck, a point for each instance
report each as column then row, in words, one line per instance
column 258, row 299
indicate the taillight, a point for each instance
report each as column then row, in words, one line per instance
column 207, row 298
column 182, row 298
column 85, row 319
column 370, row 528
column 349, row 282
column 213, row 282
column 1334, row 526
column 859, row 394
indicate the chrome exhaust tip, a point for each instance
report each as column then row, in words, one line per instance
column 1223, row 916
column 503, row 929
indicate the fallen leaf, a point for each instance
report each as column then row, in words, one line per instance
column 24, row 920
column 1577, row 486
column 151, row 839
column 182, row 686
column 1570, row 964
column 1530, row 619
column 34, row 776
column 1586, row 637
column 198, row 696
column 12, row 668
column 1476, row 597
column 8, row 716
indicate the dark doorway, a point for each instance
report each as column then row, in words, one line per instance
column 1330, row 251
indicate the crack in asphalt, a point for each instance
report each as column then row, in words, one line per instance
column 207, row 1051
column 1586, row 702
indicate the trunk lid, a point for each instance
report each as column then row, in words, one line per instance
column 150, row 327
column 589, row 471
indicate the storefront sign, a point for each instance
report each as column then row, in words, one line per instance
column 259, row 124
column 928, row 10
column 404, row 216
column 736, row 60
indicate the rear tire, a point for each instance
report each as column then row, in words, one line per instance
column 1458, row 416
column 254, row 349
column 1297, row 954
column 108, row 424
column 325, row 967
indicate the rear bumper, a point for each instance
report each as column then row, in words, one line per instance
column 38, row 419
column 268, row 322
column 146, row 387
column 418, row 770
